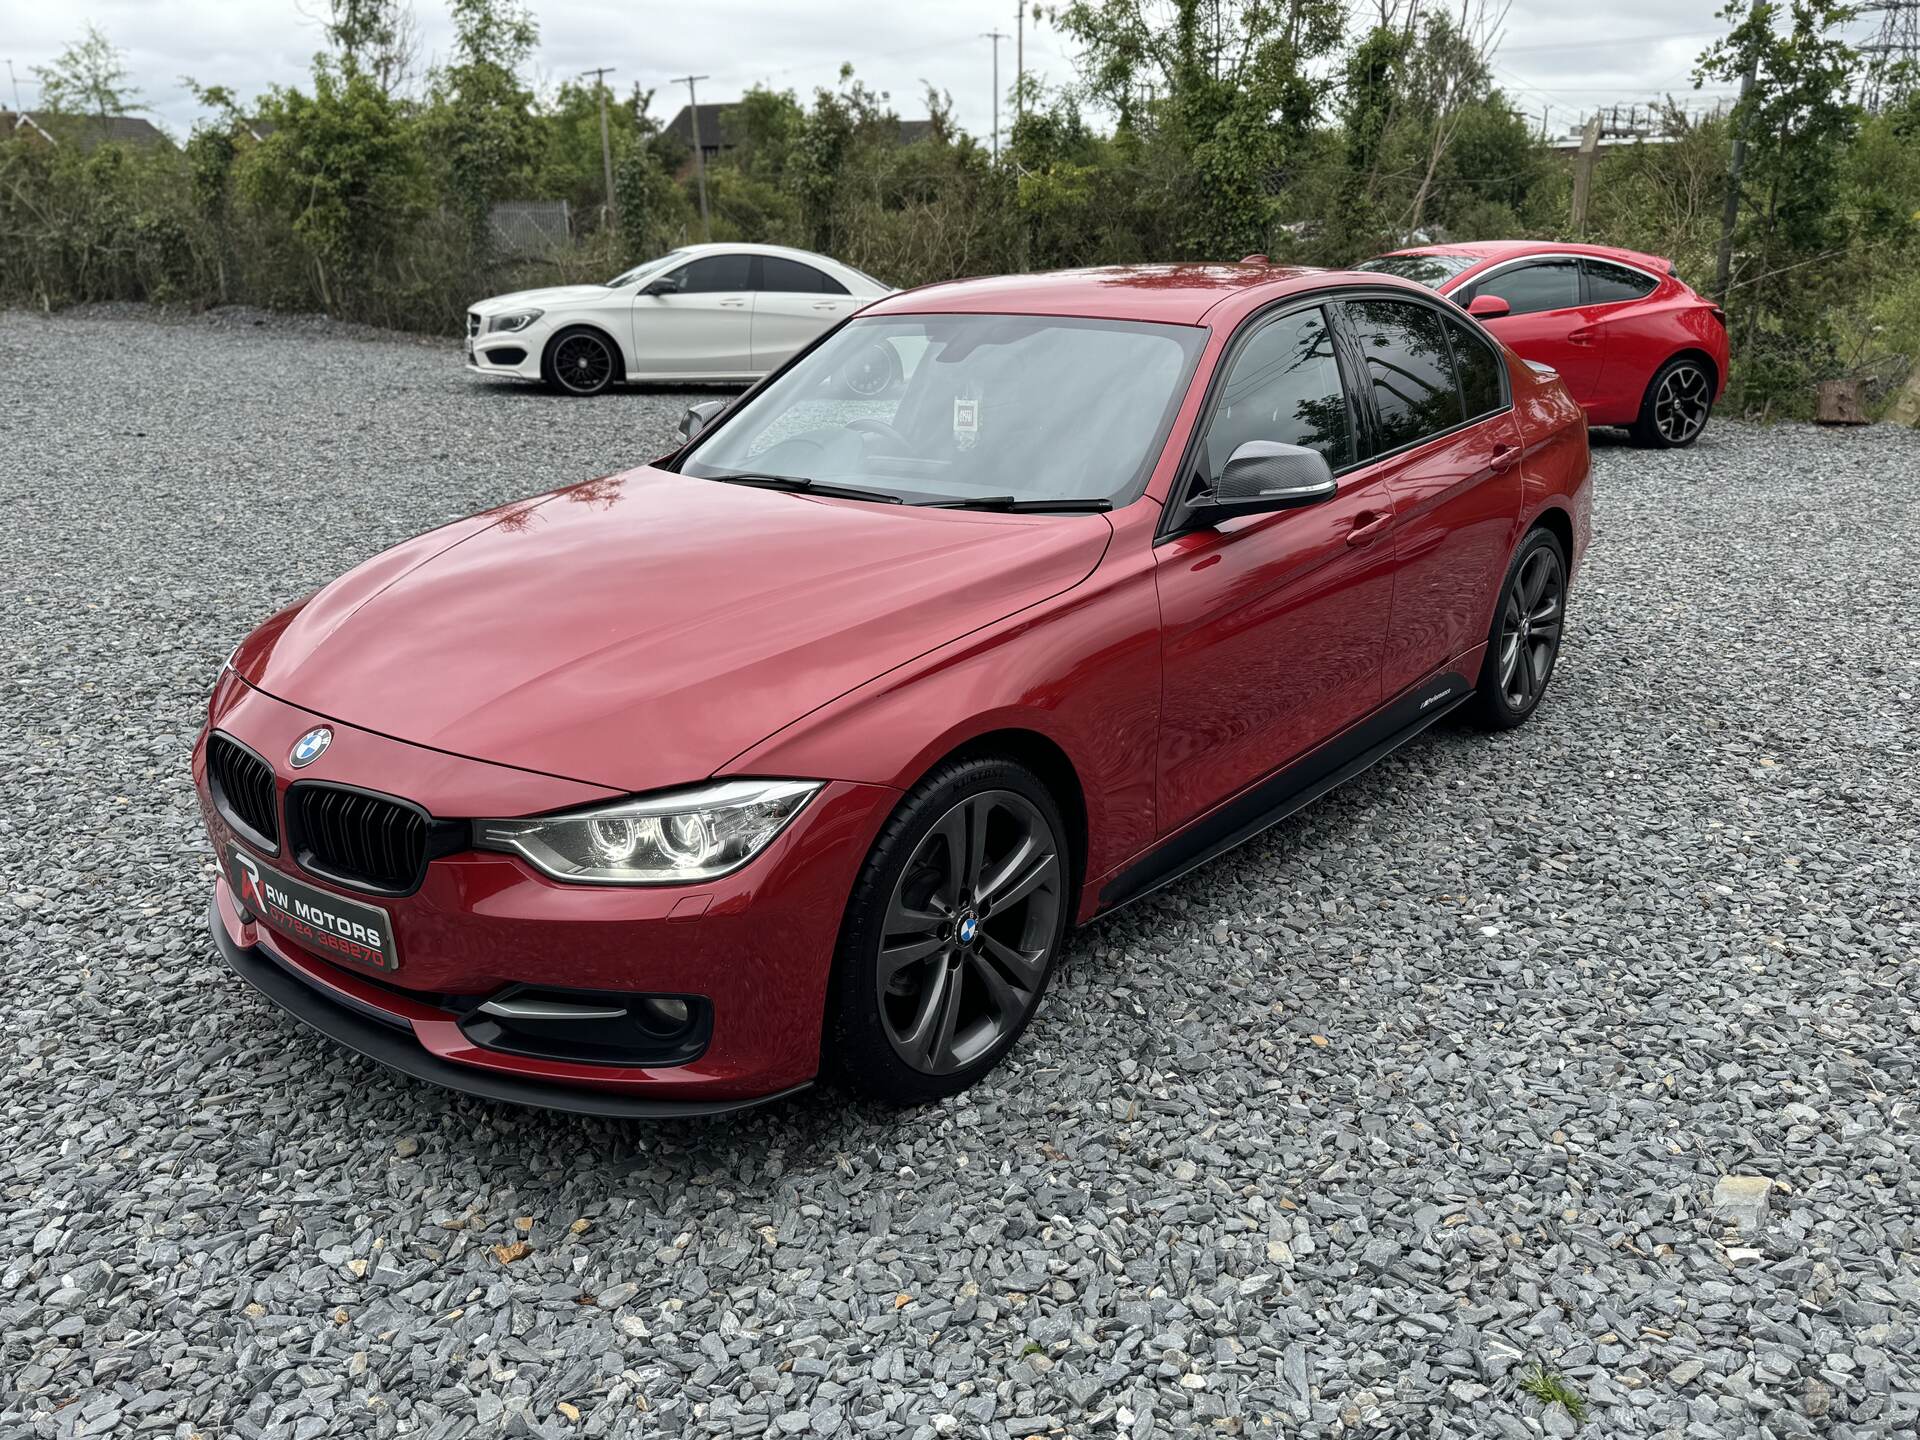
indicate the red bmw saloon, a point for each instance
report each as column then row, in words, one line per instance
column 802, row 748
column 1636, row 346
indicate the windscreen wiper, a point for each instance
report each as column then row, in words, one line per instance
column 1075, row 505
column 801, row 485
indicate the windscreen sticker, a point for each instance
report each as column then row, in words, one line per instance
column 966, row 421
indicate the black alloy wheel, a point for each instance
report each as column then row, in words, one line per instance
column 1527, row 628
column 1676, row 407
column 954, row 927
column 580, row 362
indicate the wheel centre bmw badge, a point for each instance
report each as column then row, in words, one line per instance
column 310, row 746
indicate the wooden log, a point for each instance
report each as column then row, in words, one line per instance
column 1841, row 402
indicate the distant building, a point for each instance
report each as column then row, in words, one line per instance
column 84, row 132
column 717, row 136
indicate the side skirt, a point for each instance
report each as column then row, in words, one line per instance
column 1280, row 795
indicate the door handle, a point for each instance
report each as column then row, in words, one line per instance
column 1580, row 337
column 1504, row 457
column 825, row 305
column 734, row 304
column 1368, row 527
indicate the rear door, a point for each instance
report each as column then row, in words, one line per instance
column 1442, row 437
column 793, row 302
column 1272, row 625
column 702, row 326
column 1547, row 321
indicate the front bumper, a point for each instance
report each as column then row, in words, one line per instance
column 410, row 1049
column 756, row 946
column 514, row 354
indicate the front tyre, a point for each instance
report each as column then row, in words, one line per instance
column 1525, row 640
column 580, row 361
column 1675, row 408
column 951, row 933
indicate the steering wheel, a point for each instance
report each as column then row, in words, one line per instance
column 871, row 425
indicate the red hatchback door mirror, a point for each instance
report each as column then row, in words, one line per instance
column 1488, row 307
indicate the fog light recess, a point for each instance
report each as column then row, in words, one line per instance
column 592, row 1027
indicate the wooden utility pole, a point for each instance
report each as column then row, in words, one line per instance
column 1583, row 175
column 1730, row 211
column 1020, row 62
column 699, row 155
column 996, row 36
column 606, row 145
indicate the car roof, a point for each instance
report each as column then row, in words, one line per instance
column 1514, row 249
column 1180, row 294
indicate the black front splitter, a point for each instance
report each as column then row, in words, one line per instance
column 399, row 1050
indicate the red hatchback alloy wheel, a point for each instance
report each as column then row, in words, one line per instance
column 803, row 749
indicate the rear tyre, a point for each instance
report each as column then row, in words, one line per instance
column 580, row 361
column 951, row 933
column 1525, row 639
column 1675, row 408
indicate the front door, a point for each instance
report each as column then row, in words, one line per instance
column 1547, row 322
column 702, row 323
column 793, row 302
column 1272, row 625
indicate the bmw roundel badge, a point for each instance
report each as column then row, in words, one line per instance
column 310, row 746
column 969, row 927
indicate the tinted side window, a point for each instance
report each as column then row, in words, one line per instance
column 779, row 273
column 1410, row 368
column 1548, row 285
column 1479, row 365
column 711, row 273
column 1284, row 386
column 1610, row 284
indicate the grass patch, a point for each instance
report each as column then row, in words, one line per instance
column 1551, row 1389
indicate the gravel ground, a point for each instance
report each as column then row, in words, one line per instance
column 1433, row 1084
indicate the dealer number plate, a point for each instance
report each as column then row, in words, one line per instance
column 326, row 924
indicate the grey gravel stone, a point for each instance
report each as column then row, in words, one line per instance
column 1343, row 1133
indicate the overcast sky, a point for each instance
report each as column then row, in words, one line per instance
column 1555, row 54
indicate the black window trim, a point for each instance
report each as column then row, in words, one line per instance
column 1586, row 288
column 1446, row 312
column 1463, row 293
column 758, row 277
column 753, row 270
column 1173, row 514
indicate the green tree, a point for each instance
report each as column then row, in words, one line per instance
column 481, row 114
column 1793, row 231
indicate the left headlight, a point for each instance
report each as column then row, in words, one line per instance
column 671, row 839
column 519, row 320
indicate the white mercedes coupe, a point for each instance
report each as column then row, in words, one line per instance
column 706, row 314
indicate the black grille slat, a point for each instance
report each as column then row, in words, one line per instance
column 243, row 788
column 357, row 838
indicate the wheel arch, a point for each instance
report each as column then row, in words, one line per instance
column 1556, row 521
column 1694, row 352
column 1055, row 769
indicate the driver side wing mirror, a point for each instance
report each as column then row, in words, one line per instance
column 1488, row 307
column 1265, row 475
column 666, row 285
column 698, row 417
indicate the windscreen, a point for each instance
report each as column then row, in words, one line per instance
column 1432, row 271
column 942, row 408
column 641, row 271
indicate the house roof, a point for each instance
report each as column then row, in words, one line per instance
column 85, row 131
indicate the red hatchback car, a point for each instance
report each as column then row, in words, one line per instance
column 1635, row 345
column 805, row 745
